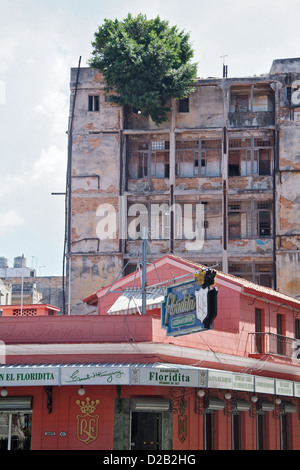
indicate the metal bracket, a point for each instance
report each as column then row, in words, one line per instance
column 49, row 393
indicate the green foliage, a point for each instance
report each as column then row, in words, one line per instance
column 146, row 62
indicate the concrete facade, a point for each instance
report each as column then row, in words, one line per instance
column 230, row 153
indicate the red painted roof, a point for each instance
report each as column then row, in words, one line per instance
column 169, row 264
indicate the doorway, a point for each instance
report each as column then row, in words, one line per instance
column 143, row 424
column 146, row 431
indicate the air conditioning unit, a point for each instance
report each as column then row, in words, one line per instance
column 149, row 404
column 214, row 404
column 266, row 406
column 240, row 405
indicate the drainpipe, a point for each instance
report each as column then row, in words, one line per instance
column 274, row 228
column 226, row 92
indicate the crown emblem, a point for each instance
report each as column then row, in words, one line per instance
column 200, row 276
column 87, row 407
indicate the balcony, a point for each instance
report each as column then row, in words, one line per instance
column 251, row 119
column 271, row 343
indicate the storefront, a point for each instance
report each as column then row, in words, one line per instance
column 185, row 376
column 144, row 407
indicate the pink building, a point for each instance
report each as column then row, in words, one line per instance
column 116, row 380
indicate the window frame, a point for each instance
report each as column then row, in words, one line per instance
column 93, row 103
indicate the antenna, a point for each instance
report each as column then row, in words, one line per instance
column 225, row 67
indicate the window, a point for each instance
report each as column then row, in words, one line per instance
column 15, row 423
column 248, row 219
column 259, row 337
column 94, row 103
column 15, row 431
column 261, row 274
column 280, row 335
column 184, row 105
column 211, row 155
column 212, row 220
column 260, row 431
column 284, row 431
column 187, row 158
column 248, row 157
column 141, row 154
column 188, row 153
column 208, row 430
column 297, row 328
column 234, row 163
column 263, row 220
column 236, row 431
column 264, row 162
column 160, row 165
column 288, row 94
column 241, row 103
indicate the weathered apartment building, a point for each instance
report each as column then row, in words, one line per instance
column 229, row 154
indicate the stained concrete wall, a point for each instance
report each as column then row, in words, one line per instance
column 99, row 176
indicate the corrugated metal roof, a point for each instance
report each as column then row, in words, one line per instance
column 130, row 301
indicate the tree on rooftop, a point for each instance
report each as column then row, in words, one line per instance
column 146, row 62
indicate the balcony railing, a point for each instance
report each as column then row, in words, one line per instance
column 248, row 119
column 271, row 343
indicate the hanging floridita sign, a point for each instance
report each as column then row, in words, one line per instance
column 191, row 306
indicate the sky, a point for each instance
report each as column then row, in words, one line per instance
column 40, row 40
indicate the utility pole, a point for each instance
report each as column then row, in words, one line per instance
column 144, row 269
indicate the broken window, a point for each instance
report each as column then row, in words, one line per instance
column 138, row 160
column 261, row 274
column 211, row 155
column 141, row 154
column 263, row 219
column 234, row 163
column 93, row 103
column 248, row 219
column 213, row 220
column 241, row 103
column 263, row 152
column 160, row 163
column 250, row 156
column 137, row 219
column 184, row 105
column 256, row 98
column 239, row 220
column 187, row 158
column 262, row 99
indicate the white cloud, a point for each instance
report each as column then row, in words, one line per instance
column 9, row 220
column 50, row 167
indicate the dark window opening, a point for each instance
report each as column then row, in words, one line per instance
column 264, row 165
column 261, row 431
column 236, row 432
column 241, row 103
column 208, row 431
column 258, row 330
column 234, row 225
column 284, row 432
column 280, row 332
column 94, row 103
column 184, row 105
column 264, row 224
column 234, row 164
column 297, row 328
